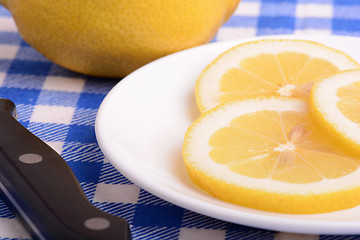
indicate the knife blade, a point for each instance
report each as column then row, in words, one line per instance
column 38, row 184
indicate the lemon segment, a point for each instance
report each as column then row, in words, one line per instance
column 334, row 106
column 270, row 67
column 267, row 154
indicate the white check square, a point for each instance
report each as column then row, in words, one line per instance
column 229, row 33
column 201, row 233
column 52, row 114
column 57, row 83
column 294, row 236
column 2, row 77
column 57, row 146
column 118, row 193
column 7, row 24
column 8, row 51
column 314, row 10
column 248, row 9
column 11, row 229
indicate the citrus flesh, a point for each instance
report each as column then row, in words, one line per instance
column 334, row 105
column 267, row 154
column 270, row 67
column 111, row 38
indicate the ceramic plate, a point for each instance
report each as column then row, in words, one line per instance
column 141, row 124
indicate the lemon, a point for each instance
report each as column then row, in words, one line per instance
column 111, row 38
column 270, row 67
column 334, row 105
column 267, row 154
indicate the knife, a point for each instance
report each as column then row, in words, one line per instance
column 44, row 193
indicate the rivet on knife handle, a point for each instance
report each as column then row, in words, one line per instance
column 41, row 187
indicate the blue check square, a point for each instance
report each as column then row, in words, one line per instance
column 27, row 67
column 347, row 12
column 11, row 38
column 4, row 65
column 90, row 100
column 20, row 96
column 278, row 22
column 158, row 215
column 275, row 25
column 88, row 172
column 276, row 9
column 344, row 26
column 81, row 133
column 345, row 2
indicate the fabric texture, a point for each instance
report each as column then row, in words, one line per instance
column 60, row 106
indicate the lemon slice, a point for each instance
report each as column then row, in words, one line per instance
column 278, row 67
column 267, row 154
column 335, row 107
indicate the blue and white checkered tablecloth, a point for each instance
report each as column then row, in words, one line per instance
column 60, row 106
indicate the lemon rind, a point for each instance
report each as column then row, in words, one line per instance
column 323, row 104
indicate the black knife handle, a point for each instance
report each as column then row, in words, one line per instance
column 43, row 190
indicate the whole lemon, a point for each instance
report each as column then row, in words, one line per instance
column 111, row 38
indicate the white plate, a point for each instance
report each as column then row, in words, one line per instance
column 140, row 128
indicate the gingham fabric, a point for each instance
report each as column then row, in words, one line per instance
column 60, row 107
